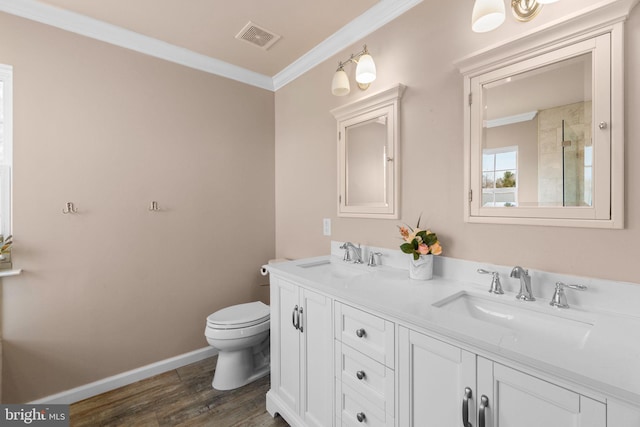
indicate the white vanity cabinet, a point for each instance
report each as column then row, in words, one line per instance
column 432, row 377
column 441, row 384
column 344, row 357
column 301, row 355
column 517, row 398
column 364, row 368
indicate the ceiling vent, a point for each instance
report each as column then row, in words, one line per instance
column 258, row 36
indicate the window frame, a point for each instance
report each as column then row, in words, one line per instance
column 6, row 161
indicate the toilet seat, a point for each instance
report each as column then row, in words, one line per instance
column 239, row 316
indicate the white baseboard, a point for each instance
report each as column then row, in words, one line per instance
column 111, row 383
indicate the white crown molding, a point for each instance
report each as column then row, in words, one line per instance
column 99, row 30
column 510, row 120
column 380, row 14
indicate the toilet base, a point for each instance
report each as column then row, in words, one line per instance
column 237, row 368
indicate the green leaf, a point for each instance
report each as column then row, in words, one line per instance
column 407, row 248
column 416, row 255
column 430, row 239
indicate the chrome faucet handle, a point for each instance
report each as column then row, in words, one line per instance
column 372, row 258
column 347, row 252
column 496, row 286
column 559, row 299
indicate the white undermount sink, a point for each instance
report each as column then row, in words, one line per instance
column 335, row 270
column 534, row 321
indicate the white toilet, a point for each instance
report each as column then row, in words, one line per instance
column 240, row 333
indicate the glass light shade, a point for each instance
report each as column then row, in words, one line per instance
column 487, row 15
column 366, row 69
column 340, row 83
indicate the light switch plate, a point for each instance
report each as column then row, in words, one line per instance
column 326, row 226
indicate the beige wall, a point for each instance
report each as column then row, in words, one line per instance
column 116, row 287
column 418, row 49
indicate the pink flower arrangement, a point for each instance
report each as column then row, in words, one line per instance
column 419, row 242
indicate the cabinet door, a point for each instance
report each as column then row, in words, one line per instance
column 285, row 344
column 317, row 359
column 519, row 399
column 622, row 415
column 432, row 378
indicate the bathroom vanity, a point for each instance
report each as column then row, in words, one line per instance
column 356, row 345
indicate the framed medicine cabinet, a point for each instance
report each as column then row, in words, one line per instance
column 544, row 127
column 368, row 155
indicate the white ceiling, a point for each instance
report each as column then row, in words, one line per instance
column 201, row 33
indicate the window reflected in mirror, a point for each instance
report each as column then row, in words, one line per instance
column 499, row 177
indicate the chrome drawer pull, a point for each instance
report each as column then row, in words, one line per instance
column 465, row 407
column 361, row 417
column 300, row 320
column 361, row 333
column 294, row 317
column 484, row 402
column 360, row 375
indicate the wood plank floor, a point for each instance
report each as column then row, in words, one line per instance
column 182, row 397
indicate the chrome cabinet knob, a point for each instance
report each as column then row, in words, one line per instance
column 361, row 333
column 360, row 375
column 361, row 417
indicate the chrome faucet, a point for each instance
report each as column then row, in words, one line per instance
column 525, row 293
column 351, row 248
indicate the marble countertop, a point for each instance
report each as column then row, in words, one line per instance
column 606, row 359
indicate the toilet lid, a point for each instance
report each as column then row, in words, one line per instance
column 241, row 315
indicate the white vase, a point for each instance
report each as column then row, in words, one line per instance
column 422, row 268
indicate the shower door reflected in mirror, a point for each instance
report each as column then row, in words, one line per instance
column 537, row 145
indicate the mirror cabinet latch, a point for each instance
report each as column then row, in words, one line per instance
column 470, row 98
column 470, row 196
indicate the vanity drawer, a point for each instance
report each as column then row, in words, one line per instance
column 366, row 333
column 350, row 405
column 370, row 379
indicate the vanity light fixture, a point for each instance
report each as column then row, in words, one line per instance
column 488, row 15
column 365, row 73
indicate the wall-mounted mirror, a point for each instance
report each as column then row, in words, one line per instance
column 537, row 147
column 368, row 148
column 544, row 136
